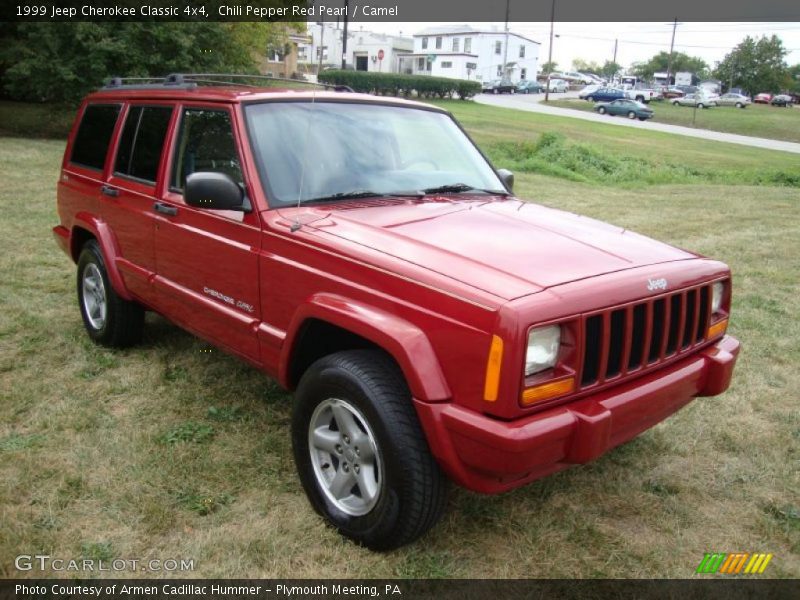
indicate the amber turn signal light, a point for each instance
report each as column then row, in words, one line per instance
column 717, row 329
column 492, row 385
column 548, row 390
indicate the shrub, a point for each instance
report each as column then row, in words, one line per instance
column 401, row 84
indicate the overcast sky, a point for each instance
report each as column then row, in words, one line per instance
column 637, row 41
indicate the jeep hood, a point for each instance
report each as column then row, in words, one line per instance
column 505, row 247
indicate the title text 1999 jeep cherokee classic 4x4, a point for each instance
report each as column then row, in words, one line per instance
column 366, row 254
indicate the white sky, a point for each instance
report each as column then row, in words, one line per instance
column 637, row 41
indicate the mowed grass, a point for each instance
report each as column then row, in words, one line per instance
column 758, row 120
column 175, row 450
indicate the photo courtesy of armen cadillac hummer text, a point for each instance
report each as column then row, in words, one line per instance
column 364, row 252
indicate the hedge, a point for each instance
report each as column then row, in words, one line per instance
column 400, row 84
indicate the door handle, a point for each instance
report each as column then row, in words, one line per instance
column 107, row 190
column 165, row 209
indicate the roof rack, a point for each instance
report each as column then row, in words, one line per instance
column 193, row 80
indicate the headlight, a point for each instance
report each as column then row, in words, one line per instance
column 717, row 290
column 543, row 344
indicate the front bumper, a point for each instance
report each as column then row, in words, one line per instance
column 491, row 456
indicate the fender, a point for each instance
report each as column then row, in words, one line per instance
column 108, row 245
column 404, row 341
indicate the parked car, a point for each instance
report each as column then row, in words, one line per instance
column 782, row 100
column 558, row 85
column 595, row 79
column 605, row 94
column 485, row 340
column 586, row 92
column 763, row 98
column 737, row 100
column 644, row 95
column 499, row 86
column 694, row 100
column 630, row 108
column 672, row 92
column 528, row 86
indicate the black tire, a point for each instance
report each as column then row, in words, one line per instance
column 602, row 110
column 632, row 115
column 412, row 490
column 739, row 105
column 123, row 322
column 590, row 98
column 701, row 106
column 676, row 103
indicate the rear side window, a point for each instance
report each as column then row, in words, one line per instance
column 94, row 134
column 205, row 143
column 141, row 142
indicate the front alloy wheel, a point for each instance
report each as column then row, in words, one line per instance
column 345, row 457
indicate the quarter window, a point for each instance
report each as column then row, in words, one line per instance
column 94, row 133
column 142, row 140
column 205, row 143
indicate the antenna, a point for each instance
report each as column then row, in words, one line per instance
column 297, row 225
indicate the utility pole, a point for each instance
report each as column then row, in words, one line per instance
column 344, row 36
column 671, row 47
column 550, row 51
column 614, row 60
column 321, row 48
column 505, row 54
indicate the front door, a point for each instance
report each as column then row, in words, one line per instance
column 207, row 260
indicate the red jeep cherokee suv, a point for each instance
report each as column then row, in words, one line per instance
column 366, row 254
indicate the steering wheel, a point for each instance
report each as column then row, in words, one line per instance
column 421, row 161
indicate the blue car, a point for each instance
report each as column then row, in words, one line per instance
column 605, row 94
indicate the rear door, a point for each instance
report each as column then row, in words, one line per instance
column 207, row 260
column 130, row 191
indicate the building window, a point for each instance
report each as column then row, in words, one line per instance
column 499, row 70
column 424, row 43
column 439, row 43
column 421, row 63
column 446, row 64
column 523, row 74
column 472, row 66
column 456, row 42
column 522, row 51
column 467, row 44
column 498, row 47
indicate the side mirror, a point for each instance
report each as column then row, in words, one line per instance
column 215, row 191
column 507, row 177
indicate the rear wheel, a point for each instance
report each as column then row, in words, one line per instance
column 632, row 115
column 590, row 98
column 701, row 105
column 739, row 105
column 109, row 319
column 360, row 452
column 676, row 103
column 602, row 110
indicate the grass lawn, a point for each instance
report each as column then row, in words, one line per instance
column 171, row 451
column 758, row 120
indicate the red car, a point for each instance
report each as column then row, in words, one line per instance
column 762, row 98
column 364, row 252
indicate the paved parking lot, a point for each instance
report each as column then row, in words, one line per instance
column 535, row 103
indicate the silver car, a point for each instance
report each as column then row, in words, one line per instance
column 697, row 100
column 737, row 100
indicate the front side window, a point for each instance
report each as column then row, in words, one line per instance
column 142, row 140
column 205, row 143
column 94, row 134
column 308, row 151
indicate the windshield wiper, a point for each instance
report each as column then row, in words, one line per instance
column 363, row 194
column 457, row 188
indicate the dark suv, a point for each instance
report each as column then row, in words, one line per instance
column 365, row 253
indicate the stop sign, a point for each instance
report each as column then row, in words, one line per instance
column 380, row 54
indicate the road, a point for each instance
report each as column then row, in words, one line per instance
column 535, row 103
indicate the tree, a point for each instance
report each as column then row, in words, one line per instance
column 586, row 66
column 793, row 80
column 660, row 63
column 63, row 61
column 549, row 67
column 755, row 65
column 609, row 69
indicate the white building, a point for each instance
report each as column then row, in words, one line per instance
column 363, row 48
column 462, row 52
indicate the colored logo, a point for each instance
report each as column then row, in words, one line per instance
column 735, row 563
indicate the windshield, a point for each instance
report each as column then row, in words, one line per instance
column 313, row 151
